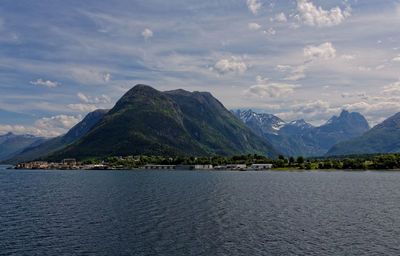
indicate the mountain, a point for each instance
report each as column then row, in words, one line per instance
column 260, row 123
column 35, row 151
column 383, row 138
column 11, row 144
column 150, row 122
column 301, row 138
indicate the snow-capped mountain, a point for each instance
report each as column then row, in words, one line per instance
column 261, row 122
column 301, row 138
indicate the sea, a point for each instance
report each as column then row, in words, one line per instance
column 64, row 212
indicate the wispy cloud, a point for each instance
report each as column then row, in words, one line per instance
column 47, row 83
column 265, row 88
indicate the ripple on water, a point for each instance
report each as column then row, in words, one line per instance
column 199, row 213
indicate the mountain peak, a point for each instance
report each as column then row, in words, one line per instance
column 345, row 113
column 151, row 122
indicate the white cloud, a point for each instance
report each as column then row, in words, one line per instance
column 89, row 75
column 397, row 58
column 281, row 17
column 270, row 32
column 254, row 26
column 316, row 112
column 296, row 73
column 44, row 127
column 47, row 83
column 107, row 99
column 316, row 16
column 348, row 57
column 264, row 88
column 323, row 51
column 63, row 122
column 232, row 65
column 392, row 89
column 87, row 99
column 107, row 77
column 82, row 97
column 147, row 33
column 82, row 107
column 253, row 6
column 364, row 69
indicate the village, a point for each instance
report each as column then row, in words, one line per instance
column 72, row 164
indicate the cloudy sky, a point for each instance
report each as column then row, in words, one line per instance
column 297, row 59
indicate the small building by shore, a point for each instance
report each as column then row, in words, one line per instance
column 159, row 167
column 261, row 166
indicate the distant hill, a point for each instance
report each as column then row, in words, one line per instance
column 383, row 138
column 11, row 144
column 301, row 138
column 151, row 122
column 35, row 151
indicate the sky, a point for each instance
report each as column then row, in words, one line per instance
column 297, row 59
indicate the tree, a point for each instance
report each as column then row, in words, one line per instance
column 300, row 160
column 291, row 160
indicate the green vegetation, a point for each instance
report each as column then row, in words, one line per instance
column 379, row 162
column 149, row 122
column 383, row 138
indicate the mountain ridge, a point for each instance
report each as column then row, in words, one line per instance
column 382, row 138
column 35, row 151
column 147, row 121
column 301, row 138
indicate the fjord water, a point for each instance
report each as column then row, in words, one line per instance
column 199, row 213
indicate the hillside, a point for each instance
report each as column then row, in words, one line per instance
column 11, row 144
column 383, row 138
column 35, row 151
column 150, row 122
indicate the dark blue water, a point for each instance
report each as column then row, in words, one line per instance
column 199, row 213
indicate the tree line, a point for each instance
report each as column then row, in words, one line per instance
column 382, row 161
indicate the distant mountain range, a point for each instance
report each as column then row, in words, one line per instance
column 36, row 150
column 301, row 138
column 11, row 144
column 150, row 122
column 170, row 123
column 383, row 138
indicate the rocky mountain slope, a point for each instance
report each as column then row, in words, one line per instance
column 300, row 138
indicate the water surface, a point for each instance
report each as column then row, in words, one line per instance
column 199, row 213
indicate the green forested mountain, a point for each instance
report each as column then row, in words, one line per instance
column 150, row 122
column 383, row 138
column 35, row 151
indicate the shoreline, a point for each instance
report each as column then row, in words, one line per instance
column 205, row 170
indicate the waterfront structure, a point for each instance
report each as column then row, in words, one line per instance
column 261, row 166
column 203, row 167
column 236, row 166
column 69, row 161
column 159, row 167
